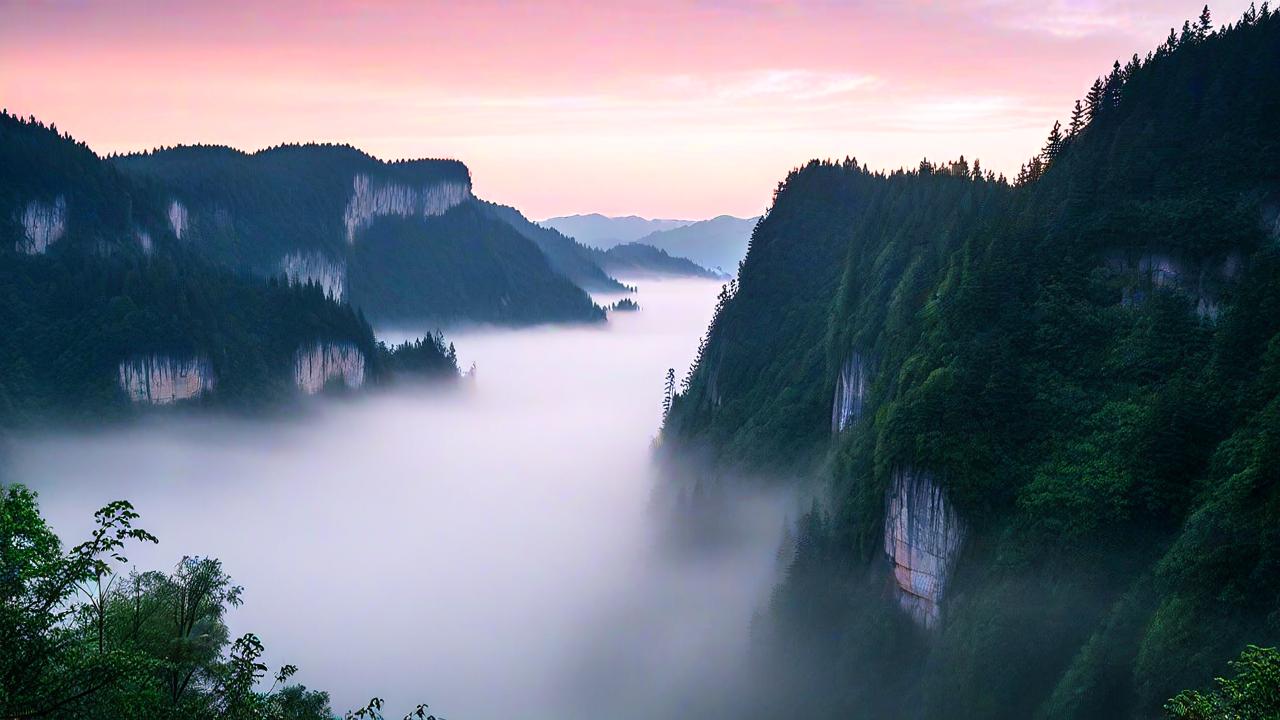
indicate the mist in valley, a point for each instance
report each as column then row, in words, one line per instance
column 493, row 549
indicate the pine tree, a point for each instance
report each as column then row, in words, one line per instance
column 1052, row 146
column 1205, row 26
column 1077, row 121
column 670, row 391
column 1111, row 91
column 1093, row 101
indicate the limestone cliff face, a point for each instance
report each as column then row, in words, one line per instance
column 178, row 219
column 162, row 379
column 42, row 224
column 372, row 199
column 922, row 537
column 316, row 365
column 851, row 391
column 1160, row 270
column 306, row 267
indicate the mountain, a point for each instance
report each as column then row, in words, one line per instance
column 1039, row 419
column 567, row 256
column 403, row 241
column 719, row 243
column 106, row 306
column 604, row 232
column 637, row 260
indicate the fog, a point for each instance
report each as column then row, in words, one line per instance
column 491, row 550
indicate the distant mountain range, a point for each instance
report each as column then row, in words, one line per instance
column 604, row 232
column 206, row 274
column 717, row 244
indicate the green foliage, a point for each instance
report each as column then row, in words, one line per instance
column 638, row 259
column 248, row 211
column 82, row 642
column 98, row 297
column 1088, row 363
column 460, row 265
column 566, row 256
column 1253, row 694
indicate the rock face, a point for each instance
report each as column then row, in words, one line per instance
column 318, row 364
column 178, row 218
column 161, row 379
column 372, row 199
column 305, row 267
column 42, row 224
column 1156, row 270
column 851, row 390
column 922, row 537
column 144, row 241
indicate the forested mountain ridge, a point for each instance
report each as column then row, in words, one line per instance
column 566, row 255
column 105, row 308
column 636, row 260
column 403, row 241
column 1044, row 413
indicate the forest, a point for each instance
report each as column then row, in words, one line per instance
column 405, row 241
column 117, row 284
column 1076, row 371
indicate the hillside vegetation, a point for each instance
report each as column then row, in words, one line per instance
column 1080, row 368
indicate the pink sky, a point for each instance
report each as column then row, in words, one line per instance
column 667, row 109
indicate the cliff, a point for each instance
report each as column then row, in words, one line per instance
column 321, row 363
column 1085, row 362
column 163, row 380
column 372, row 233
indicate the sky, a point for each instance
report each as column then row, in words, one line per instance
column 657, row 108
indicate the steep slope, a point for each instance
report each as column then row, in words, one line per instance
column 1045, row 414
column 104, row 307
column 566, row 256
column 373, row 232
column 637, row 260
column 719, row 243
column 601, row 231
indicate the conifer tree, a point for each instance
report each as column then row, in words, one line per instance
column 1205, row 25
column 1093, row 101
column 1052, row 146
column 1077, row 121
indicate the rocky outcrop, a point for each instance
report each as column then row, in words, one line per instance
column 312, row 267
column 851, row 391
column 922, row 537
column 144, row 241
column 162, row 379
column 317, row 365
column 1202, row 282
column 178, row 219
column 42, row 225
column 372, row 199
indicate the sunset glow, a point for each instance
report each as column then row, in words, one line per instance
column 670, row 109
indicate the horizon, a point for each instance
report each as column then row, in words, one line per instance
column 670, row 86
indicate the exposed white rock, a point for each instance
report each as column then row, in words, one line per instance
column 922, row 537
column 317, row 365
column 851, row 391
column 305, row 267
column 144, row 241
column 1202, row 282
column 372, row 199
column 161, row 379
column 178, row 218
column 1162, row 270
column 42, row 225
